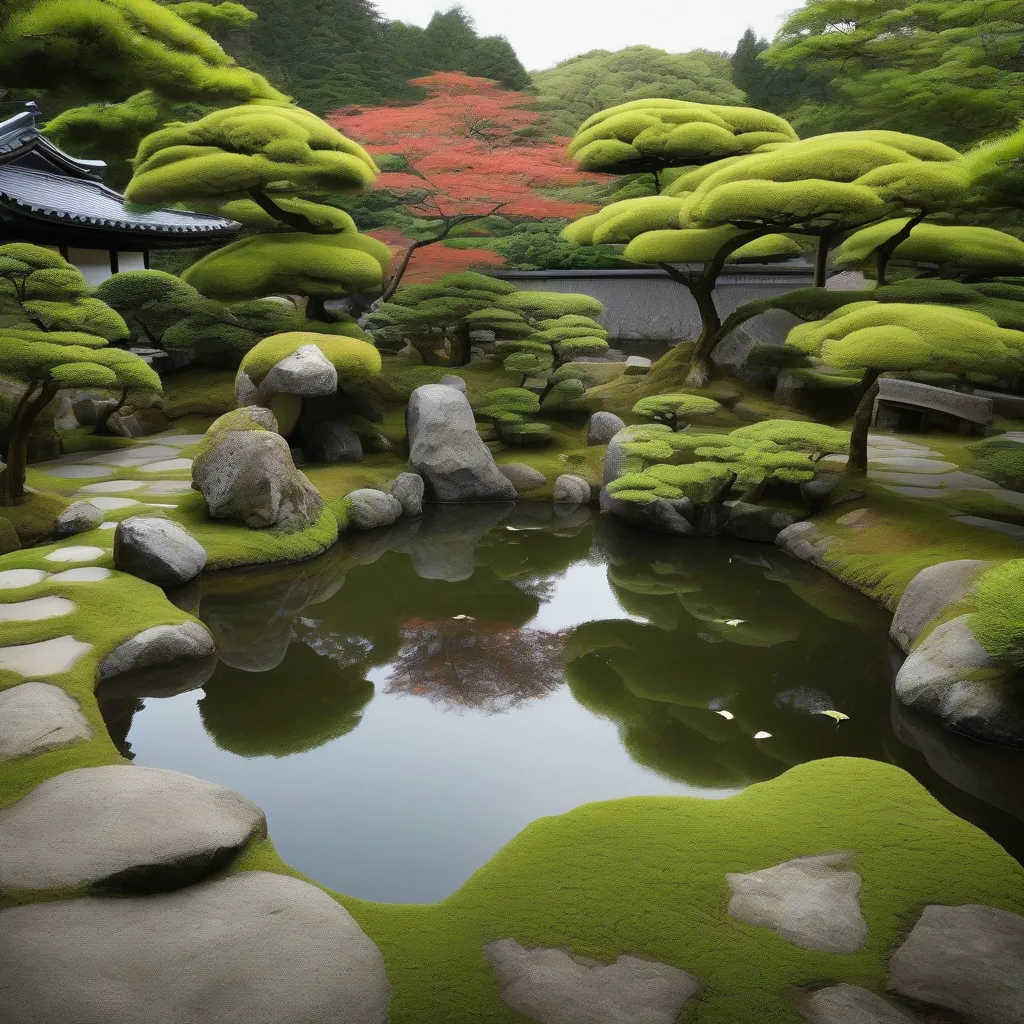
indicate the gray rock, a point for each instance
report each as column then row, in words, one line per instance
column 452, row 381
column 372, row 509
column 158, row 550
column 158, row 645
column 446, row 450
column 89, row 410
column 246, row 393
column 848, row 1004
column 1003, row 404
column 788, row 389
column 552, row 986
column 756, row 522
column 804, row 541
column 306, row 371
column 36, row 717
column 808, row 901
column 663, row 515
column 930, row 592
column 602, row 427
column 123, row 827
column 637, row 366
column 950, row 675
column 131, row 421
column 927, row 397
column 967, row 959
column 995, row 525
column 334, row 441
column 253, row 948
column 248, row 476
column 78, row 517
column 820, row 489
column 408, row 489
column 848, row 281
column 571, row 490
column 523, row 477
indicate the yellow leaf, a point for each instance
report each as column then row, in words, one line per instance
column 838, row 716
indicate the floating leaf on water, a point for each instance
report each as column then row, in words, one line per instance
column 463, row 618
column 513, row 529
column 735, row 622
column 837, row 715
column 727, row 715
column 762, row 735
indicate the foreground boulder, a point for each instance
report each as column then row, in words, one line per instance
column 78, row 517
column 928, row 594
column 256, row 947
column 446, row 450
column 372, row 509
column 158, row 550
column 123, row 827
column 245, row 472
column 158, row 646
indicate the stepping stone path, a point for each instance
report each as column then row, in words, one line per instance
column 555, row 987
column 968, row 960
column 254, row 947
column 809, row 901
column 35, row 608
column 848, row 1004
column 123, row 827
column 46, row 658
column 36, row 717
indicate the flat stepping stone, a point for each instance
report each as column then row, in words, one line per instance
column 87, row 574
column 915, row 492
column 908, row 479
column 946, row 481
column 1013, row 435
column 1007, row 529
column 111, row 486
column 968, row 960
column 75, row 553
column 963, row 481
column 108, row 504
column 36, row 717
column 555, row 987
column 135, row 455
column 14, row 579
column 809, row 901
column 107, row 526
column 1011, row 497
column 123, row 827
column 256, row 947
column 76, row 472
column 848, row 1004
column 182, row 439
column 898, row 464
column 167, row 466
column 36, row 608
column 168, row 487
column 46, row 658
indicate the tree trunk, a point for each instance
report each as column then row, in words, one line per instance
column 710, row 323
column 12, row 479
column 857, row 464
column 297, row 221
column 885, row 251
column 657, row 182
column 462, row 348
column 821, row 261
column 316, row 310
column 403, row 267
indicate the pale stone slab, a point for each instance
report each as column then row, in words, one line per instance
column 181, row 439
column 110, row 486
column 36, row 608
column 1008, row 529
column 124, row 827
column 1011, row 497
column 848, row 1004
column 167, row 466
column 76, row 472
column 552, row 986
column 107, row 526
column 108, row 504
column 36, row 717
column 809, row 901
column 135, row 455
column 87, row 574
column 253, row 948
column 46, row 658
column 168, row 487
column 915, row 492
column 14, row 579
column 911, row 464
column 967, row 959
column 75, row 553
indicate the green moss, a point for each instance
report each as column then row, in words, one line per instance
column 341, row 478
column 199, row 393
column 998, row 620
column 34, row 518
column 355, row 360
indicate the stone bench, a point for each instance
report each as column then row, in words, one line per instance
column 909, row 406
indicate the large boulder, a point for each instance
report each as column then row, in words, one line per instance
column 372, row 509
column 408, row 489
column 158, row 646
column 245, row 472
column 306, row 371
column 158, row 550
column 78, row 517
column 602, row 427
column 571, row 490
column 252, row 948
column 123, row 827
column 804, row 541
column 523, row 477
column 756, row 522
column 928, row 594
column 950, row 675
column 446, row 450
column 132, row 421
column 333, row 441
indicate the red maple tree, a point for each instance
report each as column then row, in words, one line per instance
column 471, row 150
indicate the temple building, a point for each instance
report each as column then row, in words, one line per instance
column 55, row 200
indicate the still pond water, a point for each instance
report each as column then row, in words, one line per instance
column 403, row 706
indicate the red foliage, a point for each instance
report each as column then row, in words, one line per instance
column 471, row 149
column 433, row 262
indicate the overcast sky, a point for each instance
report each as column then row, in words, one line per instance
column 544, row 32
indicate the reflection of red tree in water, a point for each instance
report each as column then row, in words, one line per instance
column 471, row 149
column 490, row 667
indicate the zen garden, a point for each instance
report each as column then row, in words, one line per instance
column 482, row 545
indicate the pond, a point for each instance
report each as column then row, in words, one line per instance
column 404, row 705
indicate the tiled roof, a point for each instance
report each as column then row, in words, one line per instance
column 84, row 201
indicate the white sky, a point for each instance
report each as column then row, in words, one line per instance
column 545, row 32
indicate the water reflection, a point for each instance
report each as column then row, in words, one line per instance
column 426, row 665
